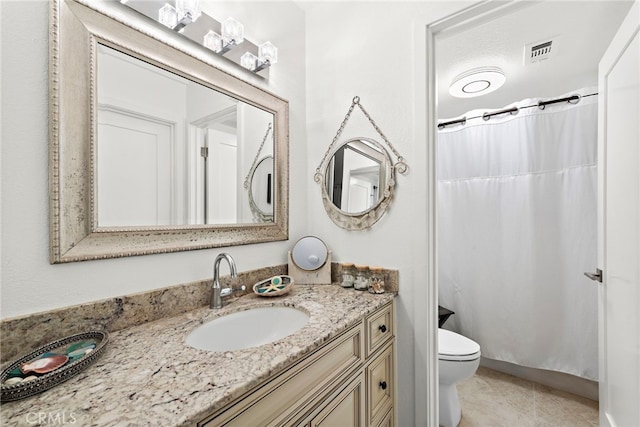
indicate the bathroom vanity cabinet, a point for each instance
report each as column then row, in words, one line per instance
column 337, row 370
column 348, row 381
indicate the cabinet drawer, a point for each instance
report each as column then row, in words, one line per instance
column 379, row 327
column 380, row 386
column 296, row 387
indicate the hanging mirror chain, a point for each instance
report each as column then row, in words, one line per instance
column 400, row 166
column 255, row 161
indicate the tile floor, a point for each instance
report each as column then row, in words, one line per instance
column 492, row 398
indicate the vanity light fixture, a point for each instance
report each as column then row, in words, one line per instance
column 232, row 35
column 168, row 16
column 184, row 13
column 231, row 32
column 477, row 82
column 267, row 56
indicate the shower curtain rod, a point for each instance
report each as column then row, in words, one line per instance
column 573, row 99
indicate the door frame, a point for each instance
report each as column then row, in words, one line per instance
column 426, row 322
column 627, row 31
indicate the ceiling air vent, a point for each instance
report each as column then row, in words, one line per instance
column 540, row 51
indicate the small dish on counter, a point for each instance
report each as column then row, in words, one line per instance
column 51, row 364
column 274, row 286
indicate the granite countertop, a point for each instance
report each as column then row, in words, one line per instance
column 149, row 376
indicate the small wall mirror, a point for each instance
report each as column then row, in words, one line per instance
column 357, row 177
column 150, row 142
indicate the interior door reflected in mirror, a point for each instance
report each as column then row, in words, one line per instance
column 355, row 174
column 171, row 151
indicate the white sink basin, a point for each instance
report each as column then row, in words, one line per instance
column 249, row 328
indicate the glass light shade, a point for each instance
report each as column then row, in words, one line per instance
column 189, row 9
column 249, row 61
column 168, row 16
column 268, row 52
column 233, row 30
column 213, row 41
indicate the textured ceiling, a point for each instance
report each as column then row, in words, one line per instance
column 581, row 31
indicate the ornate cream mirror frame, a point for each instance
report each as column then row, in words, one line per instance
column 366, row 218
column 76, row 29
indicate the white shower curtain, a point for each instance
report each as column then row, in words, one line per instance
column 517, row 229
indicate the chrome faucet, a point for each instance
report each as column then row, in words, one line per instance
column 217, row 292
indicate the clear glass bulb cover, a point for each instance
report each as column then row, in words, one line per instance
column 248, row 61
column 213, row 41
column 268, row 52
column 168, row 16
column 189, row 9
column 232, row 30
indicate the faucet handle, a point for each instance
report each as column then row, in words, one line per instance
column 225, row 292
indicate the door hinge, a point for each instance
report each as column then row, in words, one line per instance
column 597, row 276
column 204, row 152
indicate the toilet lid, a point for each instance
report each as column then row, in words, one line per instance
column 452, row 346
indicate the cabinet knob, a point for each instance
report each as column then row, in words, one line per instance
column 382, row 328
column 383, row 385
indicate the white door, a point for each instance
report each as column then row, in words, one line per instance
column 134, row 170
column 222, row 164
column 619, row 226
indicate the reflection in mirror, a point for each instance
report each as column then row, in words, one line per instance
column 357, row 182
column 261, row 190
column 355, row 174
column 171, row 151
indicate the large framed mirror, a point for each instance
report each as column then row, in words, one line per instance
column 150, row 143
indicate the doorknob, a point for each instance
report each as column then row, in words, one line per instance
column 597, row 276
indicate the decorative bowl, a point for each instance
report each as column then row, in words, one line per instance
column 274, row 286
column 51, row 364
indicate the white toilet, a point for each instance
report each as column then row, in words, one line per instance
column 458, row 359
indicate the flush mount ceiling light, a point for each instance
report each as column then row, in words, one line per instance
column 477, row 82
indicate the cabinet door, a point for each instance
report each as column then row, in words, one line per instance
column 388, row 420
column 346, row 409
column 380, row 386
column 300, row 386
